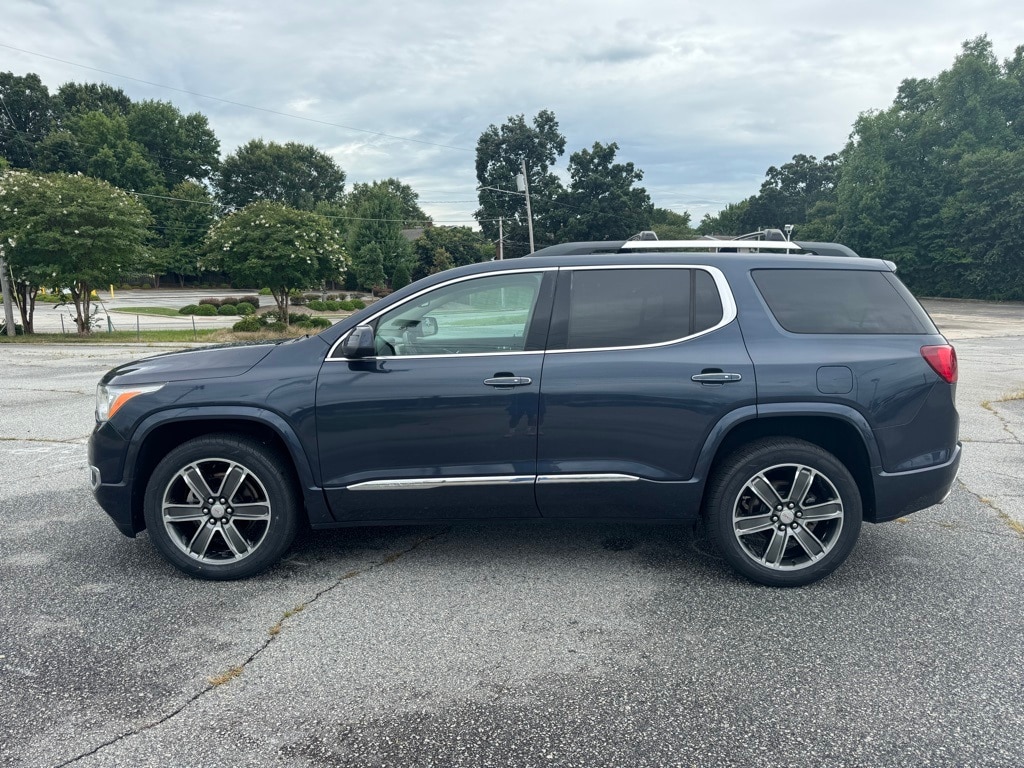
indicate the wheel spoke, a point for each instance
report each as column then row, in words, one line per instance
column 183, row 513
column 801, row 484
column 753, row 524
column 776, row 547
column 254, row 511
column 829, row 511
column 234, row 539
column 764, row 490
column 232, row 481
column 193, row 477
column 201, row 541
column 812, row 546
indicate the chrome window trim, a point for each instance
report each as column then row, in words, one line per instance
column 427, row 483
column 724, row 293
column 330, row 353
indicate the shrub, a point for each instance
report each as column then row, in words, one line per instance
column 317, row 306
column 358, row 304
column 297, row 301
column 227, row 309
column 245, row 308
column 249, row 324
column 211, row 302
column 146, row 286
column 315, row 322
column 206, row 310
column 276, row 327
column 331, row 297
column 311, row 297
column 189, row 309
column 264, row 291
column 252, row 299
column 345, row 305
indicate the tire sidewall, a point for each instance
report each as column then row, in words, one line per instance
column 746, row 463
column 257, row 459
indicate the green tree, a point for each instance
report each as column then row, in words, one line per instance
column 69, row 231
column 499, row 155
column 370, row 267
column 602, row 202
column 77, row 98
column 440, row 248
column 270, row 244
column 95, row 144
column 183, row 219
column 298, row 175
column 378, row 221
column 183, row 147
column 408, row 200
column 26, row 116
column 669, row 225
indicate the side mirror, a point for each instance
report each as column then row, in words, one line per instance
column 359, row 343
column 428, row 326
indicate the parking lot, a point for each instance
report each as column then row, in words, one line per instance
column 510, row 644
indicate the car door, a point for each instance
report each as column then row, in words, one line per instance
column 441, row 423
column 642, row 362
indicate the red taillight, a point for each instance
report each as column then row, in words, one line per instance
column 942, row 359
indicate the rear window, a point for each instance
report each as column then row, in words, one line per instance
column 841, row 301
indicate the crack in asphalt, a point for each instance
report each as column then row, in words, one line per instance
column 50, row 440
column 273, row 634
column 1001, row 515
column 990, row 407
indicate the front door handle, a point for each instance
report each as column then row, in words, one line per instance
column 508, row 381
column 716, row 378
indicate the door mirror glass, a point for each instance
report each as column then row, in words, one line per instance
column 428, row 326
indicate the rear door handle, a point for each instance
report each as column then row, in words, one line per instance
column 508, row 381
column 716, row 378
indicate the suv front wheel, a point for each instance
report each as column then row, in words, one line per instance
column 221, row 507
column 784, row 512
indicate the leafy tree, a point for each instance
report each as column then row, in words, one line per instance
column 378, row 221
column 370, row 267
column 440, row 248
column 409, row 209
column 69, row 230
column 270, row 244
column 669, row 225
column 181, row 227
column 77, row 98
column 298, row 175
column 26, row 116
column 98, row 145
column 499, row 155
column 601, row 202
column 184, row 148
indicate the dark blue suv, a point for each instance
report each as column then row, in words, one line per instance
column 782, row 394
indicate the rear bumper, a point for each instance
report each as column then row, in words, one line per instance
column 900, row 493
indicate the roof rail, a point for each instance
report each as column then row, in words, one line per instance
column 710, row 245
column 763, row 240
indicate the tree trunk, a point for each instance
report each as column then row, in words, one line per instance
column 80, row 295
column 282, row 304
column 25, row 295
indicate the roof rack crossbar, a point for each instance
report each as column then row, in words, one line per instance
column 710, row 245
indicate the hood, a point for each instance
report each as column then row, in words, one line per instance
column 208, row 363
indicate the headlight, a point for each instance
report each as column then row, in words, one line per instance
column 109, row 399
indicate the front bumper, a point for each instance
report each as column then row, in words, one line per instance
column 112, row 490
column 900, row 493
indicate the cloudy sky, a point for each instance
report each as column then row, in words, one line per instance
column 703, row 97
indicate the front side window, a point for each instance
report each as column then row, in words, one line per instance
column 478, row 316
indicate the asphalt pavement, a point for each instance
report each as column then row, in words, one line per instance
column 510, row 644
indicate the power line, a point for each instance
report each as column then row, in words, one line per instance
column 238, row 103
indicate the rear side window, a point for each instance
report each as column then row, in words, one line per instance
column 601, row 308
column 840, row 301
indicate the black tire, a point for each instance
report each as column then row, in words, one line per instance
column 783, row 512
column 239, row 534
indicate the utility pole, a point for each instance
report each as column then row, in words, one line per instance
column 5, row 285
column 525, row 187
column 501, row 238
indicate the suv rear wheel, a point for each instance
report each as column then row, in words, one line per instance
column 784, row 512
column 220, row 507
